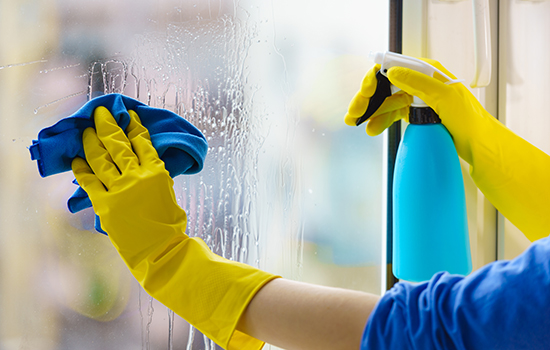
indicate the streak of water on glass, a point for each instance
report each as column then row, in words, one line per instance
column 170, row 329
column 59, row 68
column 206, row 342
column 22, row 64
column 141, row 329
column 190, row 338
column 37, row 109
column 150, row 311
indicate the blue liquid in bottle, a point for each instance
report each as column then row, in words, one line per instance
column 429, row 207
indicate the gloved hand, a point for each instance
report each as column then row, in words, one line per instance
column 394, row 108
column 511, row 173
column 132, row 193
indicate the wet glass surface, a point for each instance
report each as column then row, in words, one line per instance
column 286, row 186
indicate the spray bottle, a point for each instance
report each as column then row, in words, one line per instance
column 429, row 206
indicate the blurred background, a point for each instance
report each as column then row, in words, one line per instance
column 286, row 187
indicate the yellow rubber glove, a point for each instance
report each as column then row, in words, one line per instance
column 394, row 108
column 133, row 195
column 513, row 174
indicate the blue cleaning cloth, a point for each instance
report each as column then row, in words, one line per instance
column 179, row 144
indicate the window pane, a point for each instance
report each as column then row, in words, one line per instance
column 286, row 186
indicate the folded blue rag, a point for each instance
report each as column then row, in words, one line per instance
column 179, row 144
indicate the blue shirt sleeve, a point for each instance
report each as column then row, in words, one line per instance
column 504, row 305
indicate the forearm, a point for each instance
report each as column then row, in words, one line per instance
column 514, row 176
column 295, row 315
column 503, row 305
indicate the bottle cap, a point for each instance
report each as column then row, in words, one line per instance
column 423, row 115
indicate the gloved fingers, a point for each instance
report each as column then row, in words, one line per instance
column 359, row 104
column 356, row 109
column 439, row 66
column 395, row 102
column 360, row 101
column 141, row 140
column 115, row 140
column 428, row 89
column 99, row 159
column 86, row 178
column 378, row 124
column 369, row 83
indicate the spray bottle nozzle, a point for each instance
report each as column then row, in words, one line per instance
column 376, row 57
column 383, row 91
column 384, row 88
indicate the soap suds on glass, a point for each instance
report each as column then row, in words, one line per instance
column 199, row 70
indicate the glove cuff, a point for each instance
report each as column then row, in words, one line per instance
column 208, row 291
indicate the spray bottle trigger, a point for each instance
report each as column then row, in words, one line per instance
column 383, row 91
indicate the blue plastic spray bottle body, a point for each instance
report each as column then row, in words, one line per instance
column 429, row 207
column 430, row 228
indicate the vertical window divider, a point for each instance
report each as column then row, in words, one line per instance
column 392, row 140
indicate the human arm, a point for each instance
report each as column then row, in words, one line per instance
column 503, row 305
column 132, row 193
column 295, row 315
column 511, row 173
